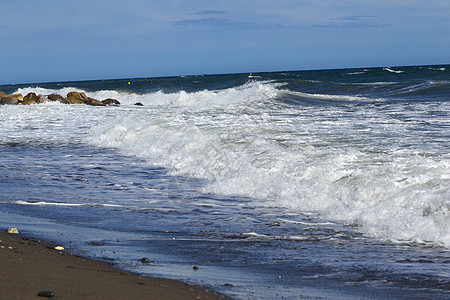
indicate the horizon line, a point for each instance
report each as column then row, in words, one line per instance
column 221, row 74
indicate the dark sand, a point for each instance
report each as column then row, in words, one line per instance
column 28, row 266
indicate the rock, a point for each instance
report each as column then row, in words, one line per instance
column 17, row 97
column 77, row 95
column 30, row 98
column 41, row 99
column 12, row 230
column 228, row 285
column 7, row 100
column 72, row 100
column 46, row 294
column 59, row 248
column 112, row 102
column 75, row 98
column 55, row 97
column 195, row 267
column 94, row 102
column 145, row 260
column 139, row 104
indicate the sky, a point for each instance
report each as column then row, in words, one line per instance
column 66, row 40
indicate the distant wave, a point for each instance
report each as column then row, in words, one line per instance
column 355, row 73
column 307, row 98
column 393, row 71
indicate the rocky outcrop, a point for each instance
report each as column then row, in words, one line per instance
column 41, row 99
column 16, row 97
column 75, row 98
column 30, row 98
column 12, row 99
column 72, row 98
column 111, row 102
column 7, row 100
column 55, row 97
column 94, row 102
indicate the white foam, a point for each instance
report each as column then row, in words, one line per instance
column 364, row 166
column 44, row 203
column 327, row 97
column 294, row 158
column 393, row 71
column 308, row 223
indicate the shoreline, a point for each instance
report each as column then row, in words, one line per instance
column 29, row 266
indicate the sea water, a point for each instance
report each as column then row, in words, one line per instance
column 330, row 183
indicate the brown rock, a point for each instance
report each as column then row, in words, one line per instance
column 77, row 95
column 16, row 97
column 55, row 97
column 139, row 104
column 110, row 101
column 30, row 98
column 94, row 102
column 7, row 100
column 73, row 100
column 41, row 99
column 2, row 94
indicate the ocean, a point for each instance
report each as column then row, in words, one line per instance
column 326, row 184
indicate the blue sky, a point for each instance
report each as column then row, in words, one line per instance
column 61, row 40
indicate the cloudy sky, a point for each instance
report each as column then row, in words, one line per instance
column 63, row 40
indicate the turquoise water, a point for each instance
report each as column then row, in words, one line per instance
column 331, row 183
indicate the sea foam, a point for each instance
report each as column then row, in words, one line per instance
column 357, row 165
column 246, row 142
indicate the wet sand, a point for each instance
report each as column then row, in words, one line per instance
column 29, row 266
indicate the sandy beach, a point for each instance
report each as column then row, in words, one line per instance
column 29, row 266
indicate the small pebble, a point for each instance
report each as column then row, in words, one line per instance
column 145, row 260
column 195, row 267
column 13, row 230
column 59, row 248
column 46, row 294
